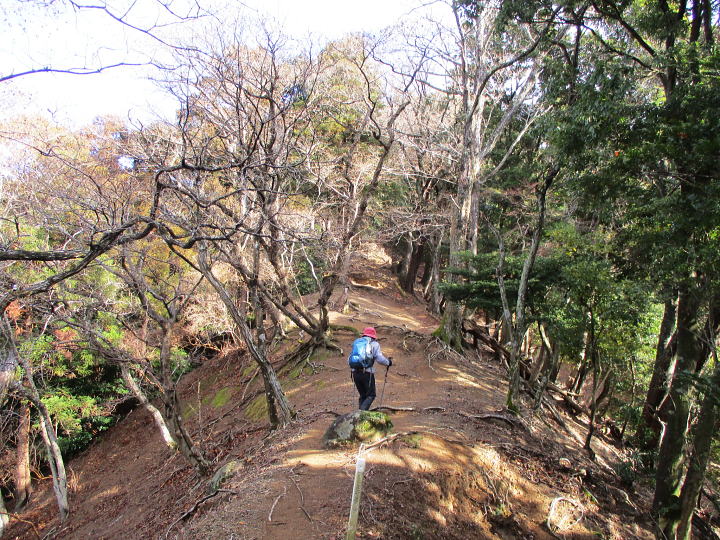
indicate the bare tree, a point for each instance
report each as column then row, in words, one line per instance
column 162, row 289
column 491, row 75
column 155, row 23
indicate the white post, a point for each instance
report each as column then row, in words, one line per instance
column 355, row 504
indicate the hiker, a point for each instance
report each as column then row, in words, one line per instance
column 365, row 352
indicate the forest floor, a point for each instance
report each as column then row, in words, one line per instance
column 456, row 468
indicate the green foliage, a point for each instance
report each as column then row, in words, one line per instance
column 68, row 410
column 180, row 362
column 480, row 289
column 74, row 385
column 72, row 444
column 630, row 468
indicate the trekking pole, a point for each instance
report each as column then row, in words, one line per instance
column 382, row 394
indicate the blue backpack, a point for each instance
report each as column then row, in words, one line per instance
column 361, row 355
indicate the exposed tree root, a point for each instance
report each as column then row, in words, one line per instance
column 512, row 421
column 555, row 414
column 703, row 528
column 408, row 409
column 394, row 409
column 305, row 350
column 388, row 439
column 336, row 414
column 400, row 435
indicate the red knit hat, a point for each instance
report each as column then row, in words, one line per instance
column 370, row 332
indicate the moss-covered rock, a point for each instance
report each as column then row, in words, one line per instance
column 358, row 426
column 222, row 475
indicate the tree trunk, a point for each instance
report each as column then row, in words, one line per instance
column 579, row 380
column 407, row 253
column 518, row 329
column 595, row 362
column 671, row 455
column 538, row 365
column 344, row 280
column 432, row 293
column 172, row 406
column 549, row 372
column 279, row 410
column 649, row 429
column 702, row 437
column 154, row 411
column 430, row 252
column 55, row 459
column 8, row 359
column 408, row 281
column 276, row 317
column 607, row 387
column 23, row 485
column 633, row 394
column 186, row 446
column 4, row 516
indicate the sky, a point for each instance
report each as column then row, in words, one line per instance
column 41, row 33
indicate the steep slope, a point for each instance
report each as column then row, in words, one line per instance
column 456, row 467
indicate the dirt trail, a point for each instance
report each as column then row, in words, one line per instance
column 454, row 477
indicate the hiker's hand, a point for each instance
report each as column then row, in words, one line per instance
column 389, row 361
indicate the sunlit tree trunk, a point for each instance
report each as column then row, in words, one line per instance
column 54, row 456
column 134, row 387
column 4, row 516
column 701, row 442
column 280, row 411
column 23, row 486
column 432, row 290
column 671, row 455
column 8, row 359
column 649, row 429
column 595, row 364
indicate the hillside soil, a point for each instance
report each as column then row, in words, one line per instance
column 456, row 466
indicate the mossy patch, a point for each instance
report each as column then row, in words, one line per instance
column 188, row 411
column 345, row 328
column 297, row 371
column 222, row 475
column 248, row 370
column 413, row 441
column 208, row 382
column 319, row 355
column 221, row 397
column 257, row 409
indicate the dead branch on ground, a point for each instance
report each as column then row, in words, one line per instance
column 272, row 508
column 513, row 421
column 302, row 498
column 551, row 511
